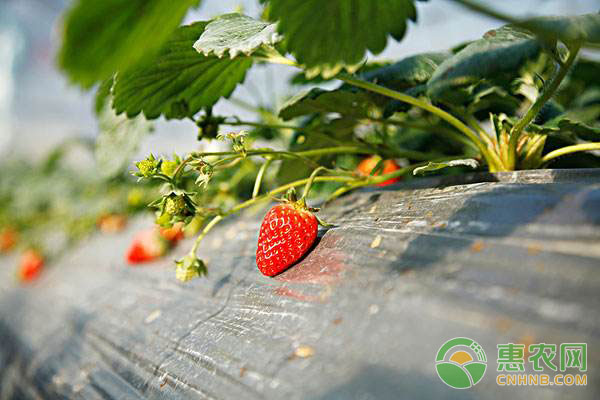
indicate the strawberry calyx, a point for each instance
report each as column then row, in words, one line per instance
column 190, row 267
column 300, row 205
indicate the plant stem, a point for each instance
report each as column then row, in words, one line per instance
column 570, row 149
column 323, row 134
column 433, row 129
column 425, row 106
column 470, row 119
column 284, row 188
column 535, row 108
column 310, row 181
column 204, row 232
column 303, row 155
column 261, row 125
column 259, row 177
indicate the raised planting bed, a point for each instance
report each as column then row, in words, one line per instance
column 511, row 257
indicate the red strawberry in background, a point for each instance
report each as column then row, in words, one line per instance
column 287, row 233
column 173, row 234
column 146, row 246
column 111, row 223
column 8, row 239
column 30, row 265
column 368, row 164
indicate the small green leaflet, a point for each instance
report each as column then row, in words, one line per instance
column 500, row 51
column 328, row 36
column 434, row 166
column 235, row 34
column 103, row 37
column 118, row 140
column 179, row 81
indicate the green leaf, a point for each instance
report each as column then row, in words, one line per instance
column 118, row 140
column 434, row 166
column 179, row 82
column 588, row 98
column 408, row 75
column 408, row 72
column 549, row 111
column 394, row 106
column 499, row 52
column 327, row 36
column 351, row 103
column 103, row 94
column 234, row 34
column 488, row 98
column 568, row 29
column 567, row 129
column 103, row 37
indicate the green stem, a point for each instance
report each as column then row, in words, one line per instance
column 261, row 125
column 310, row 182
column 425, row 106
column 402, row 153
column 474, row 124
column 434, row 129
column 303, row 155
column 535, row 108
column 204, row 232
column 570, row 149
column 470, row 119
column 259, row 177
column 284, row 188
column 278, row 59
column 313, row 130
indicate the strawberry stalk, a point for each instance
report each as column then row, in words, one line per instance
column 309, row 183
column 259, row 177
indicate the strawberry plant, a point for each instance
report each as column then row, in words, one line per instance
column 48, row 206
column 519, row 97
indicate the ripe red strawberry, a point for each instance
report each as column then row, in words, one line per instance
column 368, row 164
column 146, row 246
column 286, row 234
column 30, row 265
